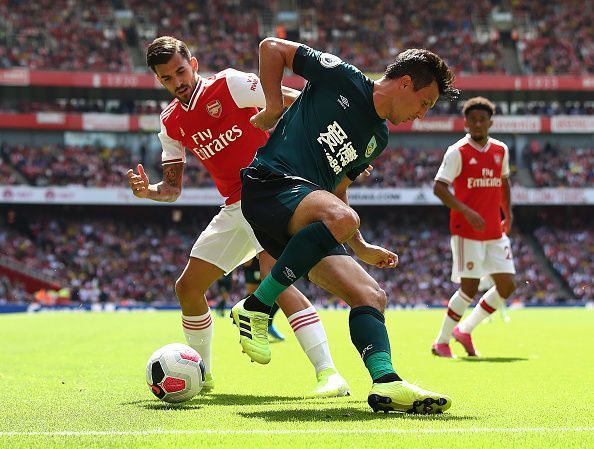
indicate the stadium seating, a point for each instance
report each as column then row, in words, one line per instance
column 60, row 165
column 553, row 166
column 105, row 259
column 553, row 38
column 570, row 251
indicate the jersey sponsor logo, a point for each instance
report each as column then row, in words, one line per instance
column 207, row 146
column 474, row 183
column 371, row 146
column 343, row 102
column 289, row 273
column 329, row 61
column 338, row 149
column 214, row 108
column 472, row 162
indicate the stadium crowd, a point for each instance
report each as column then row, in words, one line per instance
column 571, row 252
column 553, row 166
column 552, row 37
column 140, row 107
column 92, row 166
column 59, row 165
column 60, row 35
column 137, row 261
column 559, row 37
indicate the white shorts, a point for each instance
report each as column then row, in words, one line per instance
column 476, row 258
column 228, row 241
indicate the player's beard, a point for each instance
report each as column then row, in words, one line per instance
column 187, row 93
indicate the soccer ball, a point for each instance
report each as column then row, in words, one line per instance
column 175, row 373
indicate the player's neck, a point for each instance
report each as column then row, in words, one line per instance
column 482, row 142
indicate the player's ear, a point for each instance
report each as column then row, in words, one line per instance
column 405, row 81
column 159, row 79
column 194, row 63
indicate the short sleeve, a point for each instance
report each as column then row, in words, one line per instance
column 450, row 167
column 173, row 150
column 505, row 165
column 246, row 89
column 315, row 66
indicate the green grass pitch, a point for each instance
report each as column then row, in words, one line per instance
column 76, row 380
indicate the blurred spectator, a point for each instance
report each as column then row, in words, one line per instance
column 107, row 260
column 553, row 166
column 571, row 252
column 553, row 37
column 58, row 165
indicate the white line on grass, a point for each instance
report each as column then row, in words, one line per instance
column 83, row 433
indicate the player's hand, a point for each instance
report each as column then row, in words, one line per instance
column 139, row 183
column 506, row 224
column 378, row 256
column 266, row 119
column 474, row 218
column 368, row 171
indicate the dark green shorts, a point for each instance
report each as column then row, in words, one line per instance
column 268, row 201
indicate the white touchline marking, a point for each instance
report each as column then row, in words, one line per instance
column 83, row 433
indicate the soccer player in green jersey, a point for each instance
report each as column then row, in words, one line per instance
column 294, row 195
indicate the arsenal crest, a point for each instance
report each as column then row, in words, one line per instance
column 214, row 108
column 497, row 158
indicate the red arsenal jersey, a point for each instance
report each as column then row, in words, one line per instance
column 476, row 174
column 214, row 126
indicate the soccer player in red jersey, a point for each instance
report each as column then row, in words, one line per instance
column 477, row 166
column 210, row 117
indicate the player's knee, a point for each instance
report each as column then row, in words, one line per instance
column 506, row 290
column 343, row 223
column 375, row 297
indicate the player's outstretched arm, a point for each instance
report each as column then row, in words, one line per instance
column 275, row 55
column 168, row 190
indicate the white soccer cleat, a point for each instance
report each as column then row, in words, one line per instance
column 330, row 384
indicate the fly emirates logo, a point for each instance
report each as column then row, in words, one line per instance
column 486, row 181
column 207, row 146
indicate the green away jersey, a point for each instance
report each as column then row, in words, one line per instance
column 332, row 130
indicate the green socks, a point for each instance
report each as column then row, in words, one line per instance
column 304, row 250
column 370, row 337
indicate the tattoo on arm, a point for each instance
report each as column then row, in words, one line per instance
column 172, row 174
column 170, row 188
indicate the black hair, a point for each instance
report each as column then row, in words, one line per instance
column 424, row 67
column 163, row 48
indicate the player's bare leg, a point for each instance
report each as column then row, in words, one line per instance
column 190, row 288
column 345, row 278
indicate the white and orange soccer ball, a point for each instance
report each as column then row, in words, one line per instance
column 175, row 373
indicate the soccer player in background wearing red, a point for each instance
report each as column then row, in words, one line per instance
column 210, row 118
column 477, row 166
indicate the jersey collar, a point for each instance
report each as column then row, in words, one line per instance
column 195, row 95
column 474, row 144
